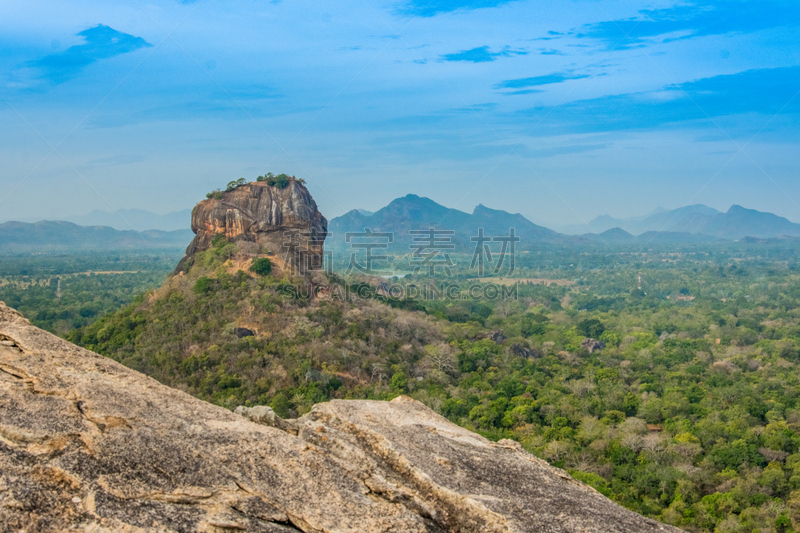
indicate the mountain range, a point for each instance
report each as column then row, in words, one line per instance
column 135, row 219
column 690, row 224
column 735, row 224
column 63, row 236
column 412, row 212
column 687, row 225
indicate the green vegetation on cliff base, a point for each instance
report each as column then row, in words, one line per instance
column 689, row 415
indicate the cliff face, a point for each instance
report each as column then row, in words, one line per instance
column 89, row 445
column 261, row 218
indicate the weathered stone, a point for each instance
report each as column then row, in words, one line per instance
column 262, row 414
column 495, row 336
column 519, row 350
column 262, row 219
column 243, row 332
column 592, row 345
column 89, row 445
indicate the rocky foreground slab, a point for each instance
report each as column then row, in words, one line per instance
column 89, row 445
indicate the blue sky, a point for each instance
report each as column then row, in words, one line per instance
column 561, row 111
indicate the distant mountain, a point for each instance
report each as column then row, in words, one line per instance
column 620, row 236
column 59, row 235
column 735, row 224
column 613, row 235
column 693, row 224
column 136, row 219
column 413, row 212
column 688, row 219
column 739, row 222
column 606, row 222
column 680, row 220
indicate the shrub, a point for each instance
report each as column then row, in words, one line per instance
column 235, row 183
column 204, row 285
column 280, row 181
column 591, row 328
column 593, row 480
column 261, row 266
column 226, row 251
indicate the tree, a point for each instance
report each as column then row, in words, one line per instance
column 235, row 183
column 204, row 285
column 280, row 181
column 261, row 266
column 440, row 357
column 591, row 327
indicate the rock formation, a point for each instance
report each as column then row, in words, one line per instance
column 262, row 219
column 495, row 336
column 592, row 345
column 519, row 350
column 89, row 445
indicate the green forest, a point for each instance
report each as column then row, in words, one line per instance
column 667, row 380
column 61, row 292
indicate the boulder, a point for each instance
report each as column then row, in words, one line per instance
column 243, row 332
column 87, row 444
column 519, row 350
column 263, row 414
column 593, row 345
column 263, row 220
column 494, row 336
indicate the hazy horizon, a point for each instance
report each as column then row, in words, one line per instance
column 123, row 223
column 559, row 112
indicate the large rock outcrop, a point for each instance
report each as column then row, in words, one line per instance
column 262, row 219
column 89, row 445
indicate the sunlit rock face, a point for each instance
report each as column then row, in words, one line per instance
column 262, row 219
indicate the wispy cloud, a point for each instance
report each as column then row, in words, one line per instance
column 764, row 92
column 101, row 42
column 560, row 150
column 429, row 8
column 551, row 35
column 489, row 106
column 112, row 161
column 482, row 54
column 536, row 81
column 696, row 19
column 523, row 91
